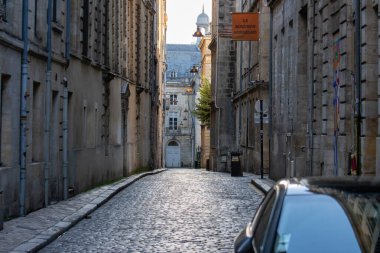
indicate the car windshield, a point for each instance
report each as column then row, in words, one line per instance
column 314, row 223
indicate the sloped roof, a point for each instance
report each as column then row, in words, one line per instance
column 182, row 47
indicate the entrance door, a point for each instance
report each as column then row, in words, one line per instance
column 173, row 155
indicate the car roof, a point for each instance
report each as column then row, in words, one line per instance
column 313, row 185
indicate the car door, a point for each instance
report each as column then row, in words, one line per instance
column 250, row 238
column 262, row 221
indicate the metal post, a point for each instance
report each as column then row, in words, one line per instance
column 23, row 111
column 65, row 161
column 261, row 140
column 311, row 103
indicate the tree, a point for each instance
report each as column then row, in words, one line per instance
column 202, row 107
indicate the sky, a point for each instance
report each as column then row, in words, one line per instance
column 182, row 16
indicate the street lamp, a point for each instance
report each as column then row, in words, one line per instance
column 198, row 33
column 194, row 70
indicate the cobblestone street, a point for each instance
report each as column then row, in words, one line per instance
column 180, row 210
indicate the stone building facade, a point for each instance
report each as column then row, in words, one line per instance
column 181, row 129
column 223, row 80
column 205, row 73
column 88, row 79
column 252, row 79
column 324, row 70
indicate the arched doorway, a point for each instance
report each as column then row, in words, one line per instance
column 173, row 155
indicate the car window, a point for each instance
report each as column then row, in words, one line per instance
column 261, row 221
column 314, row 223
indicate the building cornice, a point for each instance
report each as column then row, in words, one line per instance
column 213, row 43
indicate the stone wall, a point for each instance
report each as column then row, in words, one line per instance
column 109, row 64
column 314, row 92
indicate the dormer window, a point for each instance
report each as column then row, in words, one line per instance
column 173, row 74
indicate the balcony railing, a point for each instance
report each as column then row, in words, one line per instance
column 183, row 131
column 170, row 131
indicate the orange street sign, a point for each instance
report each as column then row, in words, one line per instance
column 245, row 26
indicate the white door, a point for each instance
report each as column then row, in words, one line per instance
column 173, row 155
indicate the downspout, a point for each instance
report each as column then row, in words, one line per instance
column 216, row 85
column 47, row 106
column 23, row 110
column 358, row 82
column 65, row 161
column 270, row 86
column 311, row 108
column 64, row 136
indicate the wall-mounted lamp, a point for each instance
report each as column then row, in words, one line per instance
column 194, row 69
column 198, row 33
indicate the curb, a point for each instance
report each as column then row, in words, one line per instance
column 262, row 184
column 49, row 235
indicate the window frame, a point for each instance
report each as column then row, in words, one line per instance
column 173, row 99
column 173, row 121
column 265, row 245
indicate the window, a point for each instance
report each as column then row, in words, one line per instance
column 84, row 125
column 6, row 125
column 173, row 74
column 173, row 144
column 85, row 24
column 251, row 124
column 37, row 126
column 2, row 86
column 3, row 10
column 325, row 221
column 173, row 121
column 35, row 16
column 173, row 99
column 261, row 220
column 54, row 10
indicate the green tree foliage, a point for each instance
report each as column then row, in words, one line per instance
column 202, row 107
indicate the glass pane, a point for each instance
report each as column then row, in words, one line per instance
column 263, row 220
column 314, row 223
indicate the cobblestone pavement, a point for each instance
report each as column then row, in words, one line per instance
column 179, row 210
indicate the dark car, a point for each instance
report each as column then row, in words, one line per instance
column 317, row 214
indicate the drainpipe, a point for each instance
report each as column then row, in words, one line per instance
column 47, row 107
column 216, row 88
column 358, row 82
column 311, row 106
column 64, row 136
column 23, row 110
column 65, row 162
column 270, row 86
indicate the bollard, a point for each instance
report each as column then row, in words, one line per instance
column 1, row 209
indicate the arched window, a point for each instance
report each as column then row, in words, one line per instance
column 173, row 143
